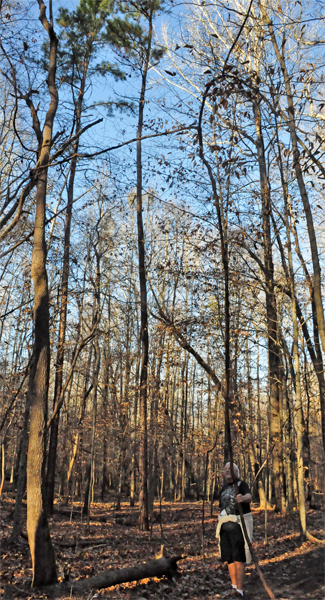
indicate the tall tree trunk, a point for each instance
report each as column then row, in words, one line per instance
column 76, row 441
column 223, row 232
column 300, row 420
column 85, row 508
column 93, row 426
column 143, row 426
column 65, row 447
column 96, row 312
column 296, row 369
column 299, row 176
column 133, row 484
column 42, row 553
column 104, row 418
column 184, row 425
column 289, row 443
column 3, row 466
column 315, row 352
column 21, row 483
column 153, row 462
column 50, row 476
column 315, row 355
column 271, row 312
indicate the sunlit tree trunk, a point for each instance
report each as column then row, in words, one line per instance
column 42, row 553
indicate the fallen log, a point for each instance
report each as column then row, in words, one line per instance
column 155, row 568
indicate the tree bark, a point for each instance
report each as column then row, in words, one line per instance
column 271, row 312
column 42, row 553
column 156, row 568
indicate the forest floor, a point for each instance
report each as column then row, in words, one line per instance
column 291, row 569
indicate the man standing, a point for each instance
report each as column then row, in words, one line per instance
column 233, row 547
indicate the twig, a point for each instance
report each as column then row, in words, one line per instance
column 237, row 36
column 145, row 137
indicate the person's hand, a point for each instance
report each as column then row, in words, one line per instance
column 246, row 498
